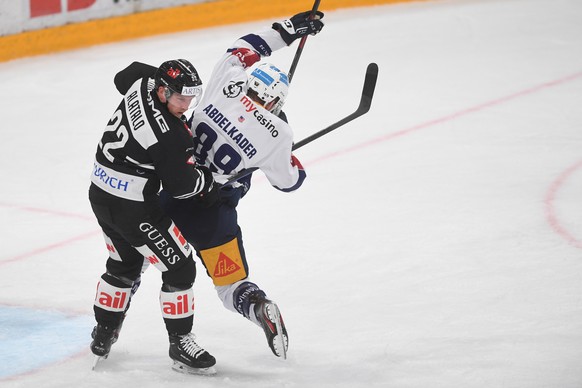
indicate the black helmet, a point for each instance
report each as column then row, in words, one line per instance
column 180, row 76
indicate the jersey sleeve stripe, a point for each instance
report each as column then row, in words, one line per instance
column 258, row 44
column 197, row 189
column 302, row 176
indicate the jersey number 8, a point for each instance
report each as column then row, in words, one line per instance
column 225, row 158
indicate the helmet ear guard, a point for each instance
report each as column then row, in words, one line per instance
column 167, row 92
column 270, row 86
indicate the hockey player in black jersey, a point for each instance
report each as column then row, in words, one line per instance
column 146, row 144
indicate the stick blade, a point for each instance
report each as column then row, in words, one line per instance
column 369, row 87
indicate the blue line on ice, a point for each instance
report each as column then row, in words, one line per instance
column 54, row 334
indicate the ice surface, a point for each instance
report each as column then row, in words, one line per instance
column 437, row 241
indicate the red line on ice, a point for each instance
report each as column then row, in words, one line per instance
column 450, row 117
column 49, row 247
column 453, row 116
column 52, row 246
column 551, row 214
column 46, row 211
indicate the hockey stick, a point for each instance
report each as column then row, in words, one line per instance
column 363, row 108
column 301, row 44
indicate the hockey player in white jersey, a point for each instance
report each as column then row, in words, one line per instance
column 239, row 125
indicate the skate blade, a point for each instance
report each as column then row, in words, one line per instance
column 97, row 359
column 280, row 341
column 183, row 368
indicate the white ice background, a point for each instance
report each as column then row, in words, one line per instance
column 437, row 241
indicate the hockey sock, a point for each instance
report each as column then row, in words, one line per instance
column 111, row 300
column 177, row 309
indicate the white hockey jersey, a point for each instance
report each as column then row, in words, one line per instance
column 232, row 133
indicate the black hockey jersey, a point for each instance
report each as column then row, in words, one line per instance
column 144, row 144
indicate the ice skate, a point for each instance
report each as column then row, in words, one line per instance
column 103, row 338
column 189, row 357
column 269, row 316
column 115, row 331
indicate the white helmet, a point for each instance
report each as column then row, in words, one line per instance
column 270, row 85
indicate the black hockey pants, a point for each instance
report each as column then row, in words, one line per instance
column 136, row 230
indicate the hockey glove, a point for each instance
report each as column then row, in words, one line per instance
column 299, row 26
column 210, row 192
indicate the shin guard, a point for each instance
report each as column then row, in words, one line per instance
column 177, row 310
column 111, row 300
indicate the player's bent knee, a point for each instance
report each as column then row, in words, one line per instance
column 181, row 278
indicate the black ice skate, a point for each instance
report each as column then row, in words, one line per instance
column 116, row 332
column 103, row 337
column 189, row 357
column 271, row 320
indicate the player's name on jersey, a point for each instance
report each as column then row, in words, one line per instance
column 134, row 110
column 231, row 130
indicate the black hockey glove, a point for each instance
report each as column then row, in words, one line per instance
column 211, row 191
column 298, row 26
